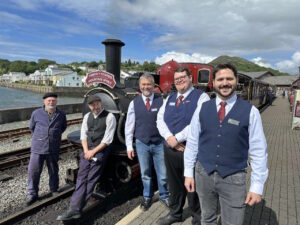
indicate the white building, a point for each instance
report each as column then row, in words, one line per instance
column 17, row 76
column 51, row 71
column 68, row 80
column 5, row 78
column 36, row 77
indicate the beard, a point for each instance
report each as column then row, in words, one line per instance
column 50, row 107
column 228, row 95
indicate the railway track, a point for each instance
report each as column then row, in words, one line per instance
column 25, row 130
column 91, row 211
column 20, row 156
column 29, row 210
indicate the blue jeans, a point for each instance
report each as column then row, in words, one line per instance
column 147, row 155
column 230, row 192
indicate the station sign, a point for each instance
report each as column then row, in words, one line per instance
column 101, row 77
column 296, row 110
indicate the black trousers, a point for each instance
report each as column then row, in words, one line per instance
column 178, row 193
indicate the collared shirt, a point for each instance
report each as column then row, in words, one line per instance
column 111, row 124
column 257, row 146
column 162, row 126
column 130, row 122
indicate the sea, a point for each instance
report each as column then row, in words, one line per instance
column 15, row 98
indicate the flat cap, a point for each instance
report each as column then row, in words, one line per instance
column 93, row 98
column 50, row 94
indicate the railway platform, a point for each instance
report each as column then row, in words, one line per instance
column 281, row 198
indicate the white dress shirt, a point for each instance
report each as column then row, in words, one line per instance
column 162, row 126
column 257, row 146
column 130, row 122
column 111, row 124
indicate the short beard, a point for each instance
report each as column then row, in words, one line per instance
column 50, row 108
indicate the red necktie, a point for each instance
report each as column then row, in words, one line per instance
column 148, row 104
column 179, row 100
column 221, row 112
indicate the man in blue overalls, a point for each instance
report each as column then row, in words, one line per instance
column 47, row 125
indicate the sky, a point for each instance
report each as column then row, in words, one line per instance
column 266, row 32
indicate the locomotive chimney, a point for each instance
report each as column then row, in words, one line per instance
column 113, row 57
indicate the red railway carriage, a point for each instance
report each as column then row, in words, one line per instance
column 201, row 73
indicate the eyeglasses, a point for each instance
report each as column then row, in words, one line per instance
column 178, row 79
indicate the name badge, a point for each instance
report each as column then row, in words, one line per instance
column 172, row 104
column 154, row 110
column 234, row 122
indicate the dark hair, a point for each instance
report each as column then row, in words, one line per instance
column 182, row 69
column 224, row 66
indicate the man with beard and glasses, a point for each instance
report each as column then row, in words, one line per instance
column 97, row 133
column 223, row 132
column 141, row 124
column 47, row 125
column 173, row 121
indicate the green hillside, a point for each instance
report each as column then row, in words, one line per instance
column 244, row 65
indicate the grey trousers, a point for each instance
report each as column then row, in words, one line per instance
column 229, row 192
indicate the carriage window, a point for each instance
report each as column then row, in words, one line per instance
column 203, row 76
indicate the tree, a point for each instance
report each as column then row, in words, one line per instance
column 93, row 64
column 18, row 66
column 4, row 66
column 44, row 63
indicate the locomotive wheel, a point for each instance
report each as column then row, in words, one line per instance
column 123, row 172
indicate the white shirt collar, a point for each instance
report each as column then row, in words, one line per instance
column 150, row 97
column 229, row 101
column 185, row 94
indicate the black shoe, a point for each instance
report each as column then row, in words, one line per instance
column 31, row 199
column 69, row 215
column 165, row 202
column 168, row 220
column 146, row 203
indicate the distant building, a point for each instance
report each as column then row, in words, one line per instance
column 51, row 71
column 67, row 80
column 261, row 75
column 36, row 77
column 17, row 76
column 5, row 78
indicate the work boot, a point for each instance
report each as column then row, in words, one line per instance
column 69, row 215
column 31, row 199
column 146, row 203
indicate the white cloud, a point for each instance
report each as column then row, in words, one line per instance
column 183, row 57
column 261, row 62
column 290, row 66
column 59, row 54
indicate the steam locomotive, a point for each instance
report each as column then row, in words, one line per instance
column 116, row 97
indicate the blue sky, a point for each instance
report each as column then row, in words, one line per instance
column 263, row 31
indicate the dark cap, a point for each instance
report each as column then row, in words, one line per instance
column 93, row 98
column 50, row 94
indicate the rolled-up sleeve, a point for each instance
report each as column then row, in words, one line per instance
column 111, row 125
column 84, row 127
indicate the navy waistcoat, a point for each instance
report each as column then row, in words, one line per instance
column 145, row 121
column 223, row 147
column 177, row 118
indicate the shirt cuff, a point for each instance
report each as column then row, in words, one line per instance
column 167, row 135
column 256, row 188
column 180, row 138
column 189, row 172
column 129, row 148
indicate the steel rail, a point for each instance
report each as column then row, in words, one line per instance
column 25, row 130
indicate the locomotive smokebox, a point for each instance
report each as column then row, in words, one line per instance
column 113, row 57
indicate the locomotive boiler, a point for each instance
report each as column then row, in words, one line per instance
column 115, row 98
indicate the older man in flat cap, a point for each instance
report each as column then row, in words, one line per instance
column 97, row 132
column 47, row 125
